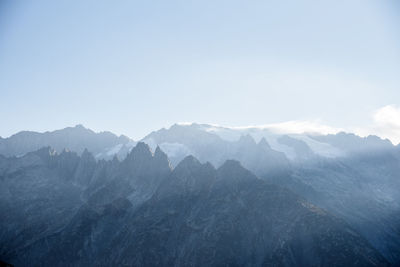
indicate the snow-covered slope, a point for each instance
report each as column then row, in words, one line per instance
column 234, row 133
column 181, row 140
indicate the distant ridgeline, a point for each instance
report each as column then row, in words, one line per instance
column 198, row 195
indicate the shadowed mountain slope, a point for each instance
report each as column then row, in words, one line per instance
column 64, row 209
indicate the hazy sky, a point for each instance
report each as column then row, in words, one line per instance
column 135, row 66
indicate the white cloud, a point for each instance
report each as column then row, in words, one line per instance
column 387, row 117
column 385, row 124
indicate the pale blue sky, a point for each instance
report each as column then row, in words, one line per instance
column 135, row 66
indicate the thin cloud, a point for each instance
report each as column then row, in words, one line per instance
column 288, row 127
column 302, row 126
column 385, row 123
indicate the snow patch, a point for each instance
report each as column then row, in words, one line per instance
column 320, row 148
column 271, row 136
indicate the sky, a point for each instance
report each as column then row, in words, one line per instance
column 132, row 67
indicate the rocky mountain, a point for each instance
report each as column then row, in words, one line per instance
column 355, row 178
column 276, row 140
column 352, row 144
column 180, row 141
column 65, row 209
column 77, row 139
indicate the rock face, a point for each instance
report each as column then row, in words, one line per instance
column 62, row 209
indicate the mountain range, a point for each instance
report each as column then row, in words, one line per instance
column 207, row 195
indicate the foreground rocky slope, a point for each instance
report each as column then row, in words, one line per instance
column 69, row 210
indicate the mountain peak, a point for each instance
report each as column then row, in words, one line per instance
column 247, row 140
column 158, row 150
column 232, row 170
column 161, row 157
column 85, row 152
column 264, row 144
column 231, row 163
column 77, row 129
column 86, row 155
column 189, row 176
column 159, row 153
column 141, row 158
column 188, row 162
column 79, row 126
column 142, row 149
column 115, row 159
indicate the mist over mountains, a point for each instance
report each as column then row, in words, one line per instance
column 199, row 195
